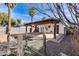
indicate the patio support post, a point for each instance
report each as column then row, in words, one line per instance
column 55, row 31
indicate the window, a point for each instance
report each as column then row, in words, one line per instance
column 36, row 29
column 30, row 29
column 46, row 27
column 42, row 29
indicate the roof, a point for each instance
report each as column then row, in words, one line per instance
column 50, row 20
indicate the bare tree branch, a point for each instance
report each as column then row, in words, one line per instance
column 71, row 13
column 52, row 10
column 41, row 11
column 72, row 7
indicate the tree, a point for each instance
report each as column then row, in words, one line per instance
column 67, row 13
column 4, row 20
column 43, row 18
column 10, row 6
column 58, row 11
column 18, row 22
column 13, row 23
column 32, row 13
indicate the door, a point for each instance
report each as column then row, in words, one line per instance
column 57, row 29
column 30, row 29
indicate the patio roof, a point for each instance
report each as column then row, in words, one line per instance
column 50, row 20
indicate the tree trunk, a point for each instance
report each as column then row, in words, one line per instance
column 31, row 22
column 31, row 18
column 9, row 27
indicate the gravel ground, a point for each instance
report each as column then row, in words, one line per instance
column 53, row 48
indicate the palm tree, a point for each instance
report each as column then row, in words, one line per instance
column 32, row 13
column 10, row 6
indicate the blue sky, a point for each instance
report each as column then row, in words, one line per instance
column 20, row 11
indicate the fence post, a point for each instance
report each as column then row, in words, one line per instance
column 20, row 45
column 44, row 43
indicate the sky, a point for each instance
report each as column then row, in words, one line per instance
column 21, row 11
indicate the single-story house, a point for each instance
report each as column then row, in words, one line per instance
column 48, row 26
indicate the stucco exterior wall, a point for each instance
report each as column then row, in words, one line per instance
column 44, row 26
column 61, row 28
column 28, row 29
column 49, row 30
column 16, row 30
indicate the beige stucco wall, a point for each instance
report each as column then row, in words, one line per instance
column 51, row 29
column 17, row 30
column 61, row 28
column 28, row 29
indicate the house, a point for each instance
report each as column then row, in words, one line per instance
column 48, row 26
